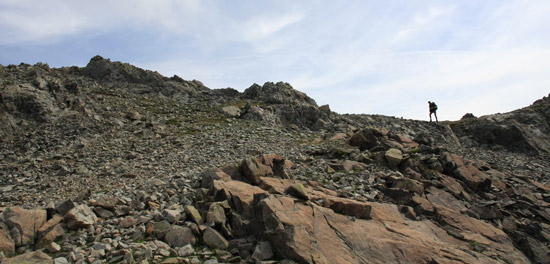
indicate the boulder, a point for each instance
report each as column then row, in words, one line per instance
column 278, row 93
column 193, row 214
column 212, row 238
column 466, row 171
column 348, row 207
column 408, row 184
column 214, row 174
column 240, row 195
column 24, row 224
column 29, row 103
column 80, row 217
column 52, row 234
column 65, row 206
column 34, row 257
column 106, row 202
column 393, row 157
column 186, row 250
column 298, row 190
column 252, row 169
column 172, row 216
column 365, row 139
column 127, row 222
column 216, row 214
column 50, row 224
column 159, row 229
column 6, row 243
column 262, row 251
column 179, row 236
column 231, row 111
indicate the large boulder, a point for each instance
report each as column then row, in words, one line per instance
column 6, row 243
column 252, row 169
column 393, row 157
column 214, row 239
column 365, row 139
column 286, row 106
column 239, row 194
column 466, row 171
column 80, row 217
column 34, row 257
column 24, row 224
column 277, row 93
column 179, row 236
column 29, row 103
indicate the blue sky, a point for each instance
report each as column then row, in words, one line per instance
column 365, row 56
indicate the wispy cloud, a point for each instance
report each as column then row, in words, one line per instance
column 358, row 56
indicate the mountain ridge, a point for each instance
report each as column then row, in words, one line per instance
column 155, row 145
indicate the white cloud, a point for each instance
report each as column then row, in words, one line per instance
column 36, row 21
column 428, row 19
column 23, row 21
column 359, row 56
column 262, row 27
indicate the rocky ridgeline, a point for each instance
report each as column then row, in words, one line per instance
column 114, row 164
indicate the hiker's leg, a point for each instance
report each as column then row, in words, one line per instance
column 435, row 114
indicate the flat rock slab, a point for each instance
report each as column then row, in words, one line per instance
column 308, row 233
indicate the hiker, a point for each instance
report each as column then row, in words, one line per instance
column 433, row 109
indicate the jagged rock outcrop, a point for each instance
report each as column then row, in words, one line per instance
column 286, row 106
column 138, row 80
column 278, row 93
column 525, row 130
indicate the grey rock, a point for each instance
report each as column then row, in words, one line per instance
column 60, row 260
column 231, row 111
column 194, row 214
column 80, row 217
column 216, row 214
column 214, row 239
column 186, row 250
column 179, row 236
column 262, row 251
column 65, row 206
column 172, row 216
column 393, row 157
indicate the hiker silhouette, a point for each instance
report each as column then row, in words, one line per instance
column 433, row 109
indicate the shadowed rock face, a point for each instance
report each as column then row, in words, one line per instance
column 525, row 130
column 127, row 165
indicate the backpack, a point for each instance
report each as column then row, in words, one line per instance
column 433, row 106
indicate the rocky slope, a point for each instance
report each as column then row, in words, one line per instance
column 110, row 163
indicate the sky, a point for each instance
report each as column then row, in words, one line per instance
column 364, row 57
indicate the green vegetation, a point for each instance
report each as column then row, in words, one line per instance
column 415, row 150
column 173, row 122
column 476, row 246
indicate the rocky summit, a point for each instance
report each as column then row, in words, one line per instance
column 111, row 163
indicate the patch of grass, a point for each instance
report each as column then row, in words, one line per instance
column 173, row 122
column 415, row 150
column 476, row 246
column 507, row 261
